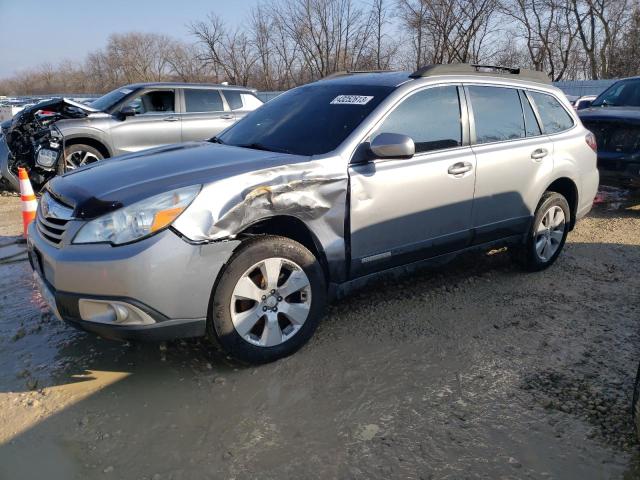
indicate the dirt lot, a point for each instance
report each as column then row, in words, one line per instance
column 473, row 371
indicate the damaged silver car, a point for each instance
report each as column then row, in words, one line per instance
column 128, row 119
column 245, row 238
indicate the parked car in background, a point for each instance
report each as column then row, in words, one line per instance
column 583, row 102
column 244, row 237
column 614, row 118
column 129, row 119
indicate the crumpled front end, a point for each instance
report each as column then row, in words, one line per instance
column 314, row 192
column 32, row 141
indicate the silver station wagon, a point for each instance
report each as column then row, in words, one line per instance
column 245, row 238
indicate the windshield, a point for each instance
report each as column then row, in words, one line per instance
column 621, row 94
column 309, row 120
column 105, row 102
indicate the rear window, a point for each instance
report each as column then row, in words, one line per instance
column 202, row 101
column 553, row 115
column 497, row 114
column 239, row 100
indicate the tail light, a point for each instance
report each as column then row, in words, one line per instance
column 590, row 138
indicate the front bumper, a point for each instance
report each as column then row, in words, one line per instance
column 167, row 280
column 619, row 168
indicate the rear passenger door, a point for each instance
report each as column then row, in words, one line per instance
column 205, row 114
column 407, row 209
column 513, row 157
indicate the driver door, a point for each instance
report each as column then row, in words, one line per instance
column 404, row 210
column 155, row 123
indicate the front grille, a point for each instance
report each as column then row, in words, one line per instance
column 615, row 137
column 52, row 219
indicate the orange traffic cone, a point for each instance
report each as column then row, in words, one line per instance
column 29, row 202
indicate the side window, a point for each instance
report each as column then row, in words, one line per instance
column 553, row 115
column 497, row 114
column 160, row 101
column 234, row 99
column 199, row 101
column 530, row 120
column 430, row 117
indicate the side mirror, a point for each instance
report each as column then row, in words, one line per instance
column 584, row 104
column 392, row 145
column 127, row 111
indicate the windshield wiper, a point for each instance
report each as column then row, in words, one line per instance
column 260, row 146
column 216, row 140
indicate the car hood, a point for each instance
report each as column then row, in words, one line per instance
column 114, row 183
column 62, row 107
column 597, row 114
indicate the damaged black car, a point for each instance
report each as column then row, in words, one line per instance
column 614, row 118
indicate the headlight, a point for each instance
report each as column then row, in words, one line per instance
column 139, row 220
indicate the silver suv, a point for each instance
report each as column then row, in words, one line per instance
column 129, row 119
column 244, row 238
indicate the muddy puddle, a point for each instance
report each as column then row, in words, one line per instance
column 476, row 370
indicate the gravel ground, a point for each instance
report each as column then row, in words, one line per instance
column 475, row 370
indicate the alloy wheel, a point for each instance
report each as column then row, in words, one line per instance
column 549, row 233
column 271, row 302
column 78, row 159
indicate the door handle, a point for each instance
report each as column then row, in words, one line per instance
column 459, row 169
column 226, row 117
column 539, row 153
column 171, row 119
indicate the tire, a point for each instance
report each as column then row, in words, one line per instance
column 530, row 256
column 251, row 322
column 80, row 155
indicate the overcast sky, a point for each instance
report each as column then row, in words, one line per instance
column 37, row 31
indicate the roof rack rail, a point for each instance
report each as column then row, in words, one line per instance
column 352, row 72
column 477, row 69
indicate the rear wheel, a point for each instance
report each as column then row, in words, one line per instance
column 548, row 232
column 269, row 300
column 77, row 156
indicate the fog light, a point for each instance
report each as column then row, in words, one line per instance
column 113, row 312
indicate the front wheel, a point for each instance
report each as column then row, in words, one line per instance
column 548, row 232
column 77, row 156
column 268, row 301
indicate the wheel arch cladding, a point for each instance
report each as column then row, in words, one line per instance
column 568, row 189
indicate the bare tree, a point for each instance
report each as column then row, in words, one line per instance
column 601, row 24
column 548, row 30
column 449, row 31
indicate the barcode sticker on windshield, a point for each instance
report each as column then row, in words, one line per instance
column 351, row 100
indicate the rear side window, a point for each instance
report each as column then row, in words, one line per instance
column 197, row 101
column 497, row 114
column 234, row 99
column 530, row 120
column 430, row 117
column 553, row 115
